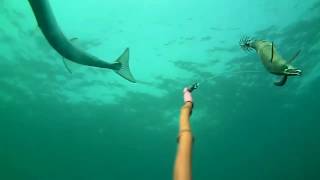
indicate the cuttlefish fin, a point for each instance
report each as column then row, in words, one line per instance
column 295, row 56
column 282, row 81
column 272, row 53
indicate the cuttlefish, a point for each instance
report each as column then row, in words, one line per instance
column 271, row 59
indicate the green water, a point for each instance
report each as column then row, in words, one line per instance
column 92, row 124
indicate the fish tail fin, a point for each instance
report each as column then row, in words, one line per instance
column 124, row 70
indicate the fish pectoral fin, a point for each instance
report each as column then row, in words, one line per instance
column 272, row 53
column 295, row 56
column 66, row 65
column 282, row 81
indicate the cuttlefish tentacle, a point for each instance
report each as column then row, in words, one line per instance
column 282, row 81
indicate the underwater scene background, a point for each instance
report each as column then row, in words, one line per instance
column 93, row 124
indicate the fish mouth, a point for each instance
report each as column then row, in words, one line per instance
column 293, row 72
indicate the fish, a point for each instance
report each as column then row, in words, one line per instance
column 50, row 29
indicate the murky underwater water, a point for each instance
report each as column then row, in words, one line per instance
column 93, row 124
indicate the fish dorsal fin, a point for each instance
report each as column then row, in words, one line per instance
column 76, row 42
column 79, row 43
column 73, row 39
column 282, row 81
column 295, row 56
column 272, row 52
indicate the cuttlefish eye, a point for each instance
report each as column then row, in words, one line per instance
column 284, row 67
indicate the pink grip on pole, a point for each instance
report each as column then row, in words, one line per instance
column 187, row 95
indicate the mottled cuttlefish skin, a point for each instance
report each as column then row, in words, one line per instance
column 271, row 59
column 52, row 32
